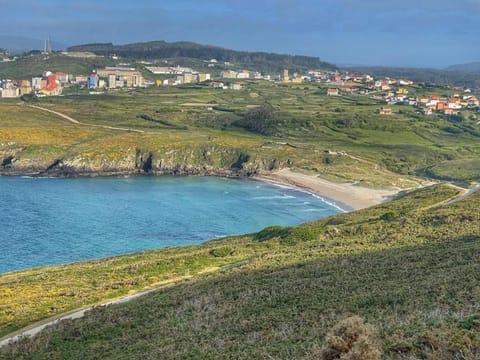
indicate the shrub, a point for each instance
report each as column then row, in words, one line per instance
column 452, row 343
column 269, row 232
column 294, row 235
column 302, row 233
column 388, row 216
column 260, row 120
column 351, row 339
column 222, row 251
column 289, row 235
column 337, row 220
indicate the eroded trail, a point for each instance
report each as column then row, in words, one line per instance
column 74, row 121
column 76, row 314
column 463, row 196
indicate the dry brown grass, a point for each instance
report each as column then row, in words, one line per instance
column 352, row 339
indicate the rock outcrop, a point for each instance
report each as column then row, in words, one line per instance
column 206, row 160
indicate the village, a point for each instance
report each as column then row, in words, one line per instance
column 224, row 76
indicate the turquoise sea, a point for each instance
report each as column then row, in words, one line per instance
column 53, row 220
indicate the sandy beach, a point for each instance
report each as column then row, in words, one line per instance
column 346, row 196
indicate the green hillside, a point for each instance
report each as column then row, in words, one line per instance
column 269, row 125
column 410, row 268
column 35, row 64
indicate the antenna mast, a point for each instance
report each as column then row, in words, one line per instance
column 47, row 48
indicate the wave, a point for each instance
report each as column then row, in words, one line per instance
column 330, row 202
column 274, row 197
column 38, row 177
column 342, row 208
column 313, row 210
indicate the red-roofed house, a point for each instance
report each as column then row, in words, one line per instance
column 62, row 77
column 53, row 86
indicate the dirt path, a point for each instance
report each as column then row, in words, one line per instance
column 374, row 165
column 466, row 193
column 74, row 121
column 76, row 314
column 34, row 329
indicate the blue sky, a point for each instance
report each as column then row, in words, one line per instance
column 420, row 33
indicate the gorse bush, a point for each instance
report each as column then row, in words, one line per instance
column 389, row 216
column 269, row 233
column 352, row 339
column 288, row 235
column 453, row 342
column 260, row 120
column 301, row 233
column 222, row 251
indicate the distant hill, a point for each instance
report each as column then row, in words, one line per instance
column 473, row 67
column 262, row 61
column 35, row 64
column 450, row 77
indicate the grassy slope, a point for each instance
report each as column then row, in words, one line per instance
column 413, row 274
column 35, row 65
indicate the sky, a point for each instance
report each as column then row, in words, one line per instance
column 415, row 33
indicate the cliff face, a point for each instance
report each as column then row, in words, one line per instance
column 213, row 160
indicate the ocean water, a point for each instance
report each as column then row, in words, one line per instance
column 53, row 221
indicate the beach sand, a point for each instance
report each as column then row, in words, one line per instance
column 344, row 195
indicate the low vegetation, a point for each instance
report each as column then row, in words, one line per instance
column 412, row 278
column 273, row 125
column 351, row 338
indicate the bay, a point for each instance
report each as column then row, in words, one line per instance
column 47, row 221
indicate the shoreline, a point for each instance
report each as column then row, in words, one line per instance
column 269, row 179
column 345, row 196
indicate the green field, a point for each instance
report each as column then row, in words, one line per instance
column 181, row 125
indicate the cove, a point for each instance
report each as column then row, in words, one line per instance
column 46, row 221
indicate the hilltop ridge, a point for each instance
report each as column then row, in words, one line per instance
column 183, row 49
column 472, row 67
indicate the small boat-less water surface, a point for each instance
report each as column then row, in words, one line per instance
column 53, row 221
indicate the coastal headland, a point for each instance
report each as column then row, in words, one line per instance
column 408, row 266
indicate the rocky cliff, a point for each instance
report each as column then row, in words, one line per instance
column 204, row 160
